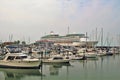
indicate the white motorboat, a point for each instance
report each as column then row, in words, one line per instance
column 56, row 59
column 89, row 53
column 72, row 56
column 19, row 61
column 101, row 52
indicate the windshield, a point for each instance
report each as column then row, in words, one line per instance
column 13, row 49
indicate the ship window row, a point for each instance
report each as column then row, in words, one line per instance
column 16, row 57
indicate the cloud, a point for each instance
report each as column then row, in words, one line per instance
column 96, row 13
column 36, row 17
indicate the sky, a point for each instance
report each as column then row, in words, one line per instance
column 29, row 20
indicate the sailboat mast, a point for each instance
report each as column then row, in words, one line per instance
column 86, row 39
column 68, row 30
column 10, row 37
column 101, row 36
column 96, row 35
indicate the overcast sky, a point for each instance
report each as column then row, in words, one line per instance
column 31, row 19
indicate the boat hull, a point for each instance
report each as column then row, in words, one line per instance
column 20, row 64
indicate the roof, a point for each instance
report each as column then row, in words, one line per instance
column 57, row 36
column 51, row 36
column 16, row 54
column 75, row 35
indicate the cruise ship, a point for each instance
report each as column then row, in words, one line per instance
column 68, row 40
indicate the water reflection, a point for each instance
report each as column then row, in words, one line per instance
column 54, row 68
column 18, row 74
column 105, row 68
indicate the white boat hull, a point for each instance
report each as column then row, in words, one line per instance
column 20, row 64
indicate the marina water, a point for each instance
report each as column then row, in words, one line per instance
column 105, row 68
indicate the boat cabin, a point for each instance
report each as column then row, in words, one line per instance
column 14, row 56
column 57, row 58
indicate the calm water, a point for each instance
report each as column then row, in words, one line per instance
column 105, row 68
